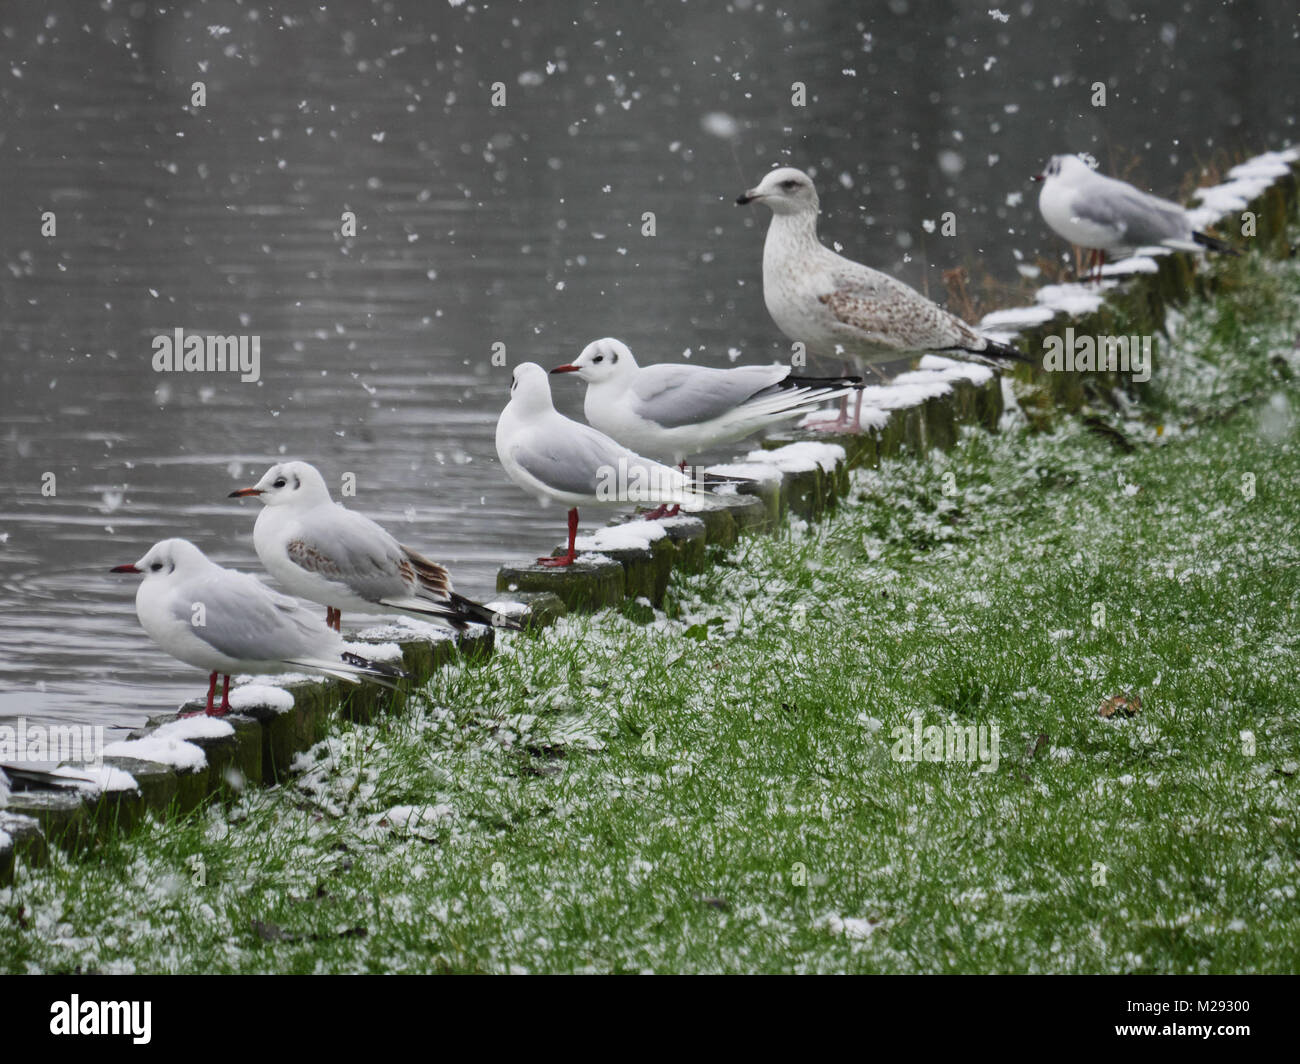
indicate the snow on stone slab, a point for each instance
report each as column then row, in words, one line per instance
column 800, row 457
column 98, row 779
column 261, row 696
column 1245, row 182
column 632, row 535
column 1144, row 263
column 404, row 628
column 1074, row 299
column 953, row 369
column 384, row 652
column 168, row 744
column 508, row 608
column 746, row 470
column 1015, row 318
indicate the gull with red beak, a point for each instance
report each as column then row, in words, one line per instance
column 839, row 308
column 228, row 623
column 317, row 549
column 1104, row 214
column 555, row 458
column 669, row 411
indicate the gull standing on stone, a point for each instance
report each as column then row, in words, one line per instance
column 672, row 410
column 551, row 456
column 838, row 307
column 228, row 623
column 325, row 553
column 1105, row 214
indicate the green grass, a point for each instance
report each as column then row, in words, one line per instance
column 714, row 791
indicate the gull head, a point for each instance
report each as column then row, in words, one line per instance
column 786, row 190
column 1066, row 167
column 166, row 557
column 530, row 389
column 288, row 484
column 601, row 360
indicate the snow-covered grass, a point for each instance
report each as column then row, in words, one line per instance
column 715, row 791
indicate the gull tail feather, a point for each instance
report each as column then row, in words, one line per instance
column 1213, row 243
column 994, row 353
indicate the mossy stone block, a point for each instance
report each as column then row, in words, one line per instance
column 590, row 583
column 688, row 537
column 544, row 608
column 156, row 792
column 26, row 840
column 771, row 492
column 287, row 733
column 64, row 816
column 476, row 643
column 719, row 524
column 749, row 513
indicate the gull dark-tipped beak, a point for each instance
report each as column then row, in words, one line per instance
column 565, row 369
column 124, row 569
column 243, row 492
column 745, row 197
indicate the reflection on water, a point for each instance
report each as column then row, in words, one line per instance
column 477, row 225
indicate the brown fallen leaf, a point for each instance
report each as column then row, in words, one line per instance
column 1127, row 704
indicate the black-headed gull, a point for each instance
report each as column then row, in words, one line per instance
column 839, row 308
column 554, row 457
column 321, row 551
column 672, row 410
column 1104, row 214
column 227, row 623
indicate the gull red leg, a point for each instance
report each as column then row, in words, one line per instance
column 212, row 690
column 569, row 556
column 225, row 697
column 334, row 618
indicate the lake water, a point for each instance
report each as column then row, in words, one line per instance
column 479, row 225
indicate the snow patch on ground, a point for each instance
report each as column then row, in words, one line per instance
column 851, row 927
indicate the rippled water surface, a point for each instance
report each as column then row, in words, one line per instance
column 477, row 225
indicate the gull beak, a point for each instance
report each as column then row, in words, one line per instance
column 242, row 492
column 566, row 369
column 747, row 197
column 124, row 569
column 1035, row 177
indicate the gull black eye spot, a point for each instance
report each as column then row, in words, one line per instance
column 279, row 483
column 599, row 358
column 156, row 566
column 790, row 185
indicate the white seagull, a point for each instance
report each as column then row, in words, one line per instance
column 838, row 307
column 671, row 410
column 551, row 456
column 1105, row 214
column 226, row 623
column 325, row 553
